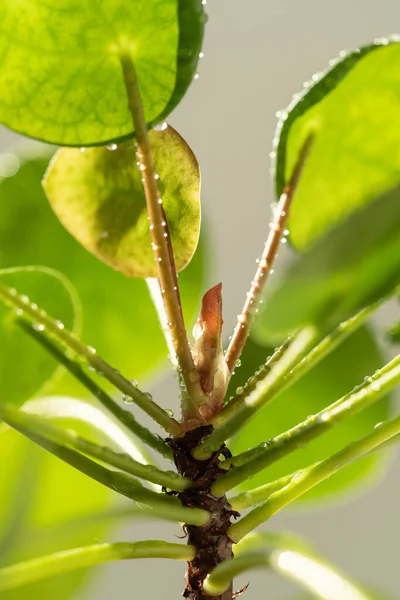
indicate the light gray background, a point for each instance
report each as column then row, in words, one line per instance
column 257, row 54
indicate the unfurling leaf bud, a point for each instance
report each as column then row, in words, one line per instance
column 208, row 353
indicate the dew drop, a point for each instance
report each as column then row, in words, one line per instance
column 238, row 363
column 24, row 299
column 82, row 149
column 160, row 201
column 156, row 176
column 59, row 324
column 263, row 263
column 134, row 382
column 169, row 412
column 91, row 350
column 239, row 391
column 38, row 326
column 127, row 399
column 283, row 240
column 196, row 76
column 112, row 147
column 148, row 396
column 201, row 55
column 19, row 312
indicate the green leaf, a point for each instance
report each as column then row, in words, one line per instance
column 357, row 357
column 57, row 503
column 25, row 368
column 353, row 265
column 98, row 196
column 61, row 79
column 354, row 111
column 129, row 334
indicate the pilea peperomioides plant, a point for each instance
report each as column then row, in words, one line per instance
column 99, row 79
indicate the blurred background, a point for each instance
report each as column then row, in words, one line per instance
column 256, row 55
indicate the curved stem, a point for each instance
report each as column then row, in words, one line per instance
column 310, row 360
column 121, row 461
column 46, row 326
column 312, row 476
column 263, row 492
column 256, row 459
column 159, row 232
column 34, row 570
column 277, row 227
column 121, row 483
column 290, row 558
column 124, row 416
column 227, row 424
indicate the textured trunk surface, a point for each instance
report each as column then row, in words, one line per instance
column 211, row 542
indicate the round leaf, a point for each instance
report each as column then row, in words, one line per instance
column 119, row 317
column 353, row 109
column 25, row 368
column 356, row 358
column 61, row 79
column 98, row 196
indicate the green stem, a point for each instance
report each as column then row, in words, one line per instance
column 43, row 323
column 124, row 416
column 261, row 493
column 122, row 483
column 34, row 570
column 227, row 424
column 290, row 558
column 121, row 461
column 257, row 459
column 258, row 376
column 160, row 236
column 312, row 476
column 333, row 340
column 310, row 360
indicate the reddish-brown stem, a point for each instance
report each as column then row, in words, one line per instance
column 277, row 228
column 160, row 236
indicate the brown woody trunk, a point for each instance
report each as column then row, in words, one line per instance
column 211, row 542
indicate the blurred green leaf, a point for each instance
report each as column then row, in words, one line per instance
column 25, row 368
column 56, row 498
column 60, row 76
column 119, row 317
column 98, row 196
column 353, row 265
column 394, row 333
column 354, row 111
column 357, row 357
